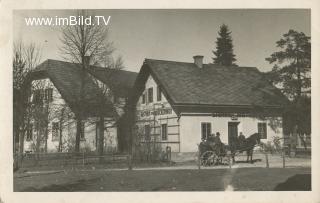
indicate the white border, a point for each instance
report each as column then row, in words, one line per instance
column 6, row 185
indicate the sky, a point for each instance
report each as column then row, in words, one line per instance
column 176, row 35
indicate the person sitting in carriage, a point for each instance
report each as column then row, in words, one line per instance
column 217, row 139
column 241, row 139
column 211, row 138
column 219, row 146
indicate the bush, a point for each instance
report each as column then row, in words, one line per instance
column 273, row 146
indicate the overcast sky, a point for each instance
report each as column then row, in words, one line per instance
column 176, row 34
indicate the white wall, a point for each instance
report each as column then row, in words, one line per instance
column 69, row 126
column 190, row 128
column 170, row 119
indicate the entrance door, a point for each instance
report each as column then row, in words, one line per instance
column 232, row 132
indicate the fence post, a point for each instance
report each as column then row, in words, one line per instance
column 267, row 160
column 283, row 159
column 199, row 158
column 129, row 158
column 83, row 161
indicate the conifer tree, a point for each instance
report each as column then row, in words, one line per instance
column 224, row 51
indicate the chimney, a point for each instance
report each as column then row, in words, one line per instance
column 198, row 60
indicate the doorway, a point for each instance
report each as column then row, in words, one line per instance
column 232, row 132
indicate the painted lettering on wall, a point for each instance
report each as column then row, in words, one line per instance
column 155, row 112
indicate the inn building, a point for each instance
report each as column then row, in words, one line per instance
column 54, row 102
column 178, row 104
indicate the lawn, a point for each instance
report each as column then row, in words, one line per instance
column 238, row 179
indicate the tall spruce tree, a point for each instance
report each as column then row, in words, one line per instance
column 292, row 74
column 224, row 52
column 292, row 64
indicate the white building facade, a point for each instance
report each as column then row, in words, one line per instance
column 183, row 126
column 63, row 125
column 51, row 121
column 184, row 133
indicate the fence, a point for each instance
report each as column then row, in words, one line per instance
column 69, row 159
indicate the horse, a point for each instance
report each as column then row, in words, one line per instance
column 247, row 146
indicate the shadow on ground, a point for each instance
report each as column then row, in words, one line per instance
column 79, row 185
column 253, row 161
column 241, row 179
column 299, row 182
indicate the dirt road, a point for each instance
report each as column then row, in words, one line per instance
column 238, row 179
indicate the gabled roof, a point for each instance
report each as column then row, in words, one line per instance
column 120, row 81
column 66, row 77
column 185, row 84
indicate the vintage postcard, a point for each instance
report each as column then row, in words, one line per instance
column 175, row 104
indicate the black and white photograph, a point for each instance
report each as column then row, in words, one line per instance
column 161, row 100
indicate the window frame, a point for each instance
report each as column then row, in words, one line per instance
column 201, row 129
column 48, row 94
column 263, row 135
column 55, row 138
column 36, row 98
column 164, row 137
column 150, row 95
column 29, row 132
column 147, row 136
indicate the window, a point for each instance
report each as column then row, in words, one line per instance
column 143, row 98
column 55, row 131
column 150, row 95
column 29, row 132
column 164, row 132
column 147, row 132
column 37, row 96
column 205, row 130
column 82, row 135
column 159, row 93
column 48, row 94
column 262, row 130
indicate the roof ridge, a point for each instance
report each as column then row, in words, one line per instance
column 99, row 67
column 206, row 64
column 146, row 59
column 95, row 66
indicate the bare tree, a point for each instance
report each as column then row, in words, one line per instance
column 26, row 58
column 108, row 96
column 87, row 44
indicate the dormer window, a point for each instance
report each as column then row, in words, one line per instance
column 55, row 131
column 37, row 96
column 29, row 132
column 150, row 95
column 143, row 98
column 48, row 94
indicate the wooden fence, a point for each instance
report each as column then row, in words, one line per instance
column 64, row 159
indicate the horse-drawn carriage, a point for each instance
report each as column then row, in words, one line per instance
column 214, row 153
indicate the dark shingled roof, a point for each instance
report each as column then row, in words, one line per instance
column 66, row 77
column 187, row 84
column 120, row 81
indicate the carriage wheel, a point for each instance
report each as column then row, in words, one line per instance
column 208, row 158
